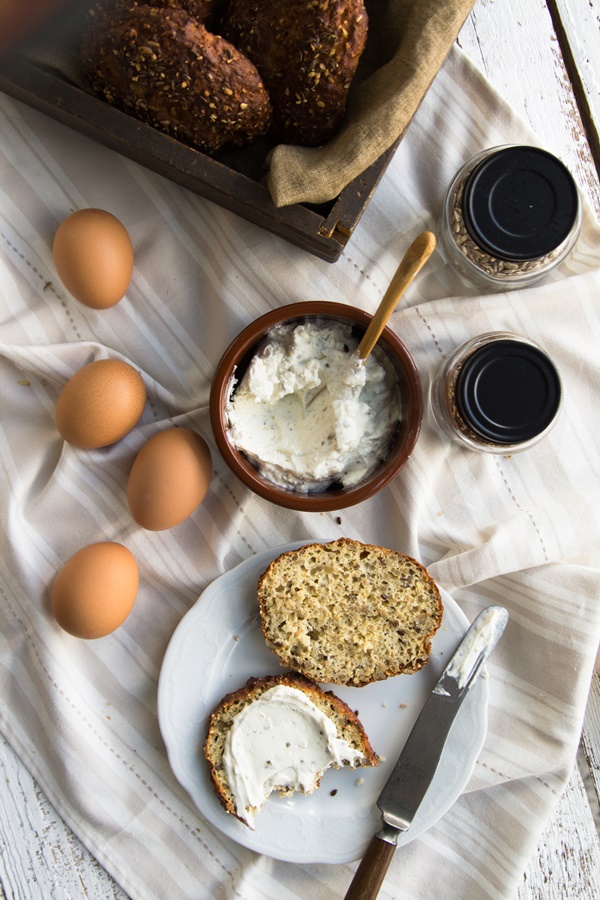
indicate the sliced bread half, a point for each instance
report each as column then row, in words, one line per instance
column 349, row 613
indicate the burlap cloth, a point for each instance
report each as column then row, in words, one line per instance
column 407, row 43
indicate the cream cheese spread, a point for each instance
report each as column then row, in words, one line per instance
column 308, row 412
column 475, row 648
column 281, row 741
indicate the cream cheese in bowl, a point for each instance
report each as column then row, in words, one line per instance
column 308, row 412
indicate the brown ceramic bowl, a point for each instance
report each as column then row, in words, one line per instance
column 237, row 357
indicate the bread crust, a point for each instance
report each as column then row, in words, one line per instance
column 221, row 720
column 201, row 10
column 307, row 53
column 162, row 66
column 349, row 613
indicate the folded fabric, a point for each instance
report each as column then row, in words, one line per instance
column 407, row 43
column 522, row 531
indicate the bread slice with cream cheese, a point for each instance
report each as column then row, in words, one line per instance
column 247, row 765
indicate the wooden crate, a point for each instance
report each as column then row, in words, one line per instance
column 231, row 179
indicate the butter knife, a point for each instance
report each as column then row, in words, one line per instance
column 414, row 770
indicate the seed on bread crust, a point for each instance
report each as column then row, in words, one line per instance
column 307, row 53
column 163, row 67
column 349, row 613
column 199, row 9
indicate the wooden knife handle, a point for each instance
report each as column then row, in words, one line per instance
column 369, row 876
column 411, row 263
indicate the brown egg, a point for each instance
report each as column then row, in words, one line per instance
column 100, row 404
column 169, row 478
column 93, row 256
column 95, row 590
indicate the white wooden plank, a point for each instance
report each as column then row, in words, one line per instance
column 591, row 733
column 40, row 857
column 514, row 44
column 532, row 73
column 567, row 863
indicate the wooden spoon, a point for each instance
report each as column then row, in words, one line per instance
column 412, row 262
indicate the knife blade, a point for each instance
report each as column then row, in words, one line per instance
column 415, row 768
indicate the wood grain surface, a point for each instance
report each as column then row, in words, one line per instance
column 544, row 58
column 590, row 739
column 516, row 46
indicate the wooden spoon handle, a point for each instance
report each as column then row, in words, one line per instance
column 369, row 876
column 414, row 259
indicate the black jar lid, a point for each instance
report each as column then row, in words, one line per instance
column 520, row 203
column 508, row 392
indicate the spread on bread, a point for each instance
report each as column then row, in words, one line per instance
column 349, row 613
column 279, row 733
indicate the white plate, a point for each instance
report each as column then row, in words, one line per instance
column 218, row 645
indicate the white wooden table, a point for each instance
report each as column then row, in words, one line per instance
column 544, row 57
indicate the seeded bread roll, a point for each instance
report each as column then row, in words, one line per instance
column 201, row 10
column 349, row 613
column 347, row 723
column 307, row 53
column 163, row 67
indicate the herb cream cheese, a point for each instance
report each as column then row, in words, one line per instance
column 308, row 412
column 280, row 742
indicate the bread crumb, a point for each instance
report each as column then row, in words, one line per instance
column 360, row 781
column 403, row 706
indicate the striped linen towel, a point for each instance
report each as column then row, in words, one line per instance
column 522, row 531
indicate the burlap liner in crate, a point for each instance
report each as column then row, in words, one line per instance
column 413, row 37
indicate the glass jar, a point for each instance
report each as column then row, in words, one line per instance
column 497, row 393
column 511, row 215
